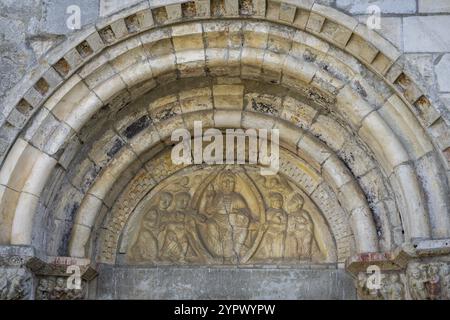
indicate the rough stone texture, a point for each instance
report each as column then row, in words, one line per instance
column 16, row 54
column 228, row 283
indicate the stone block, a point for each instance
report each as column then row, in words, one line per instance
column 390, row 29
column 336, row 173
column 227, row 118
column 174, row 12
column 57, row 15
column 361, row 48
column 119, row 28
column 383, row 142
column 402, row 122
column 241, row 283
column 352, row 106
column 144, row 140
column 386, row 6
column 335, row 15
column 196, row 99
column 330, row 132
column 228, row 96
column 442, row 70
column 203, row 8
column 256, row 35
column 377, row 41
column 313, row 151
column 231, row 7
column 253, row 120
column 108, row 7
column 356, row 158
column 287, row 12
column 434, row 6
column 13, row 158
column 298, row 113
column 290, row 135
column 315, row 22
column 426, row 33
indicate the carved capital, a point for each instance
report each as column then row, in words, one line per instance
column 419, row 271
column 27, row 274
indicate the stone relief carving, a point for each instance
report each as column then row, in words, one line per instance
column 392, row 287
column 221, row 216
column 420, row 281
column 55, row 288
column 15, row 284
column 429, row 281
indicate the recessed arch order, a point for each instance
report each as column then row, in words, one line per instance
column 100, row 103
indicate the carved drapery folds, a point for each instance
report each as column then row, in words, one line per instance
column 227, row 216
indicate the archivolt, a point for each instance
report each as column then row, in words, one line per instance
column 119, row 63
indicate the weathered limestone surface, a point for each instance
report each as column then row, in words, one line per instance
column 434, row 6
column 386, row 6
column 86, row 119
column 227, row 283
column 426, row 33
column 442, row 67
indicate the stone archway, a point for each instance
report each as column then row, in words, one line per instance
column 358, row 141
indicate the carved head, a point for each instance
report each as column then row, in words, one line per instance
column 433, row 270
column 60, row 282
column 165, row 200
column 362, row 279
column 297, row 201
column 415, row 271
column 227, row 182
column 43, row 284
column 276, row 200
column 444, row 269
column 182, row 200
column 272, row 182
column 394, row 278
column 16, row 281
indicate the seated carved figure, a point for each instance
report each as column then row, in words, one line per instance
column 228, row 219
column 146, row 246
column 300, row 231
column 273, row 242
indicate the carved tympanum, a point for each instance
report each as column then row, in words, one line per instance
column 222, row 216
